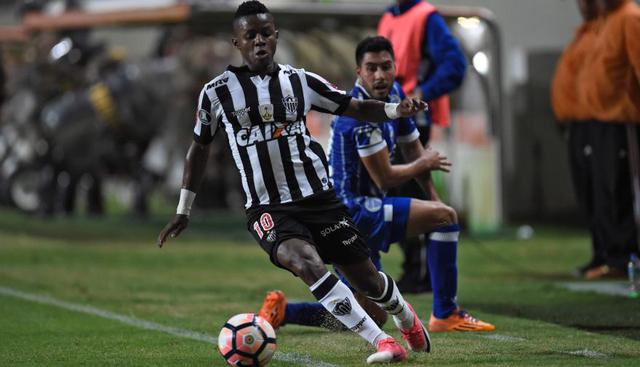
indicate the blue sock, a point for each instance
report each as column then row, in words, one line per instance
column 310, row 314
column 442, row 257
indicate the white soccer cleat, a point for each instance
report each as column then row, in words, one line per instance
column 389, row 351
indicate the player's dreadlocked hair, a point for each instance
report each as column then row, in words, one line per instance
column 250, row 8
column 373, row 44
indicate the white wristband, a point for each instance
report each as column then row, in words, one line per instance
column 186, row 200
column 391, row 109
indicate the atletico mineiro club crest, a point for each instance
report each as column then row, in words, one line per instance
column 290, row 105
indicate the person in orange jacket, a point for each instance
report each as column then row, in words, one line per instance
column 569, row 113
column 609, row 92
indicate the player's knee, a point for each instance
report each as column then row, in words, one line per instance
column 447, row 215
column 303, row 261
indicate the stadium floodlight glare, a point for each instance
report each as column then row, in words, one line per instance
column 472, row 32
column 60, row 49
column 469, row 22
column 481, row 62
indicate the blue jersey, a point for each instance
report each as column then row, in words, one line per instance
column 352, row 139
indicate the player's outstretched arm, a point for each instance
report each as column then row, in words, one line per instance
column 194, row 167
column 375, row 111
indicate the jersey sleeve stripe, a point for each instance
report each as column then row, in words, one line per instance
column 372, row 149
column 320, row 109
column 415, row 134
column 343, row 107
column 205, row 102
column 202, row 133
column 324, row 81
column 325, row 90
column 326, row 96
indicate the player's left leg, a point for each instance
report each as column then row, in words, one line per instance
column 343, row 245
column 376, row 313
column 441, row 222
column 384, row 221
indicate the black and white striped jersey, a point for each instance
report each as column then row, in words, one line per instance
column 264, row 118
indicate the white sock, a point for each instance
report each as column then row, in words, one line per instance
column 338, row 299
column 393, row 302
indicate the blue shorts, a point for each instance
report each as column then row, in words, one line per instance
column 381, row 221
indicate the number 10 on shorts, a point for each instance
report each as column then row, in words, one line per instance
column 264, row 224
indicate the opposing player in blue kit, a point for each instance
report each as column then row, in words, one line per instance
column 360, row 160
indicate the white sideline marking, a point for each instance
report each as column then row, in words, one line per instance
column 587, row 353
column 148, row 325
column 504, row 338
column 611, row 288
column 582, row 353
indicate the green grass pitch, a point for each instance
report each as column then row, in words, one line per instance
column 81, row 292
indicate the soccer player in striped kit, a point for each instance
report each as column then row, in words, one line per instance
column 292, row 209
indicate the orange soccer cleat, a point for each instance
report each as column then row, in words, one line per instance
column 273, row 308
column 459, row 320
column 388, row 351
column 604, row 272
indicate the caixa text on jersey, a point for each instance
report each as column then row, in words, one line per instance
column 269, row 131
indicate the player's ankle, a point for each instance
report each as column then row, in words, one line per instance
column 380, row 337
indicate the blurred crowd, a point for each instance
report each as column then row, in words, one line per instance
column 77, row 111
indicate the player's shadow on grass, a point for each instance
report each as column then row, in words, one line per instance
column 591, row 312
column 548, row 276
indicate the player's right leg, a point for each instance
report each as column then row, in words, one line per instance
column 441, row 222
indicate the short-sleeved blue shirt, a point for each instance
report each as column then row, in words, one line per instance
column 352, row 139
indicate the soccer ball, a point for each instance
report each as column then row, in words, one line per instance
column 247, row 340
